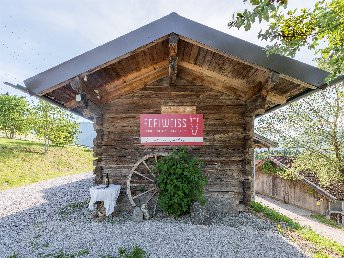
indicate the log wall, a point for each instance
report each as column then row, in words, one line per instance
column 228, row 132
column 293, row 192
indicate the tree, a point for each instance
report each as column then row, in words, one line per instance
column 321, row 29
column 312, row 128
column 14, row 115
column 54, row 125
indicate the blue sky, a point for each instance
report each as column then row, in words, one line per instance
column 36, row 35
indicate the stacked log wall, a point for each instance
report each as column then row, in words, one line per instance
column 227, row 140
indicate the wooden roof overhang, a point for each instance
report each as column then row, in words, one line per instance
column 263, row 142
column 176, row 47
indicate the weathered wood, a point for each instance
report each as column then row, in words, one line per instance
column 238, row 84
column 204, row 48
column 198, row 77
column 178, row 109
column 79, row 85
column 247, row 163
column 257, row 103
column 274, row 98
column 118, row 148
column 133, row 81
column 173, row 58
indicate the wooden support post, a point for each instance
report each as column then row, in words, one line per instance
column 254, row 106
column 173, row 59
column 247, row 164
column 97, row 149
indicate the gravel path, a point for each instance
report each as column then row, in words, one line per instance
column 302, row 216
column 49, row 217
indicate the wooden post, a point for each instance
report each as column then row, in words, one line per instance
column 97, row 149
column 255, row 105
column 247, row 165
column 173, row 59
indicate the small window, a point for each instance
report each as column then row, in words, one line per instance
column 336, row 206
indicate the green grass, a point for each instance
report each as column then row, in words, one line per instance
column 274, row 215
column 61, row 254
column 135, row 252
column 326, row 221
column 322, row 246
column 24, row 162
column 71, row 208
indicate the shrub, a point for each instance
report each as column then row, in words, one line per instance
column 136, row 252
column 269, row 168
column 180, row 182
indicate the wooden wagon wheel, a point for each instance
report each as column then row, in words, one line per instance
column 141, row 188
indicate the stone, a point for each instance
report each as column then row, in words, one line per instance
column 137, row 215
column 214, row 210
column 145, row 212
column 200, row 214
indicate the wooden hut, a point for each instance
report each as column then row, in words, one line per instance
column 175, row 65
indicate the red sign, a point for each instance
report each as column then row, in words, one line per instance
column 171, row 129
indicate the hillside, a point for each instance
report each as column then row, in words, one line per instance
column 24, row 162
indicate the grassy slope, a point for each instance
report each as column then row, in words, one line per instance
column 24, row 162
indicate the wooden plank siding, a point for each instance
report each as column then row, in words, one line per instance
column 117, row 145
column 293, row 192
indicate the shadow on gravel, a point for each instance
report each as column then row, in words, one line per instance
column 64, row 223
column 55, row 199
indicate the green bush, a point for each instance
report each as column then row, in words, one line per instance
column 136, row 252
column 270, row 168
column 180, row 182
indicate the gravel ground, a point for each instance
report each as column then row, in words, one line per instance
column 44, row 219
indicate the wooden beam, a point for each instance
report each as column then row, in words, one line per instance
column 264, row 89
column 271, row 81
column 304, row 84
column 256, row 104
column 172, row 59
column 103, row 91
column 79, row 85
column 278, row 99
column 133, row 82
column 211, row 82
column 90, row 103
column 235, row 83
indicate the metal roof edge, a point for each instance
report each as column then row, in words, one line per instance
column 185, row 27
column 305, row 93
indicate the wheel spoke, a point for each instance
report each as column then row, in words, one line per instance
column 143, row 193
column 147, row 166
column 150, row 198
column 156, row 202
column 143, row 176
column 141, row 184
